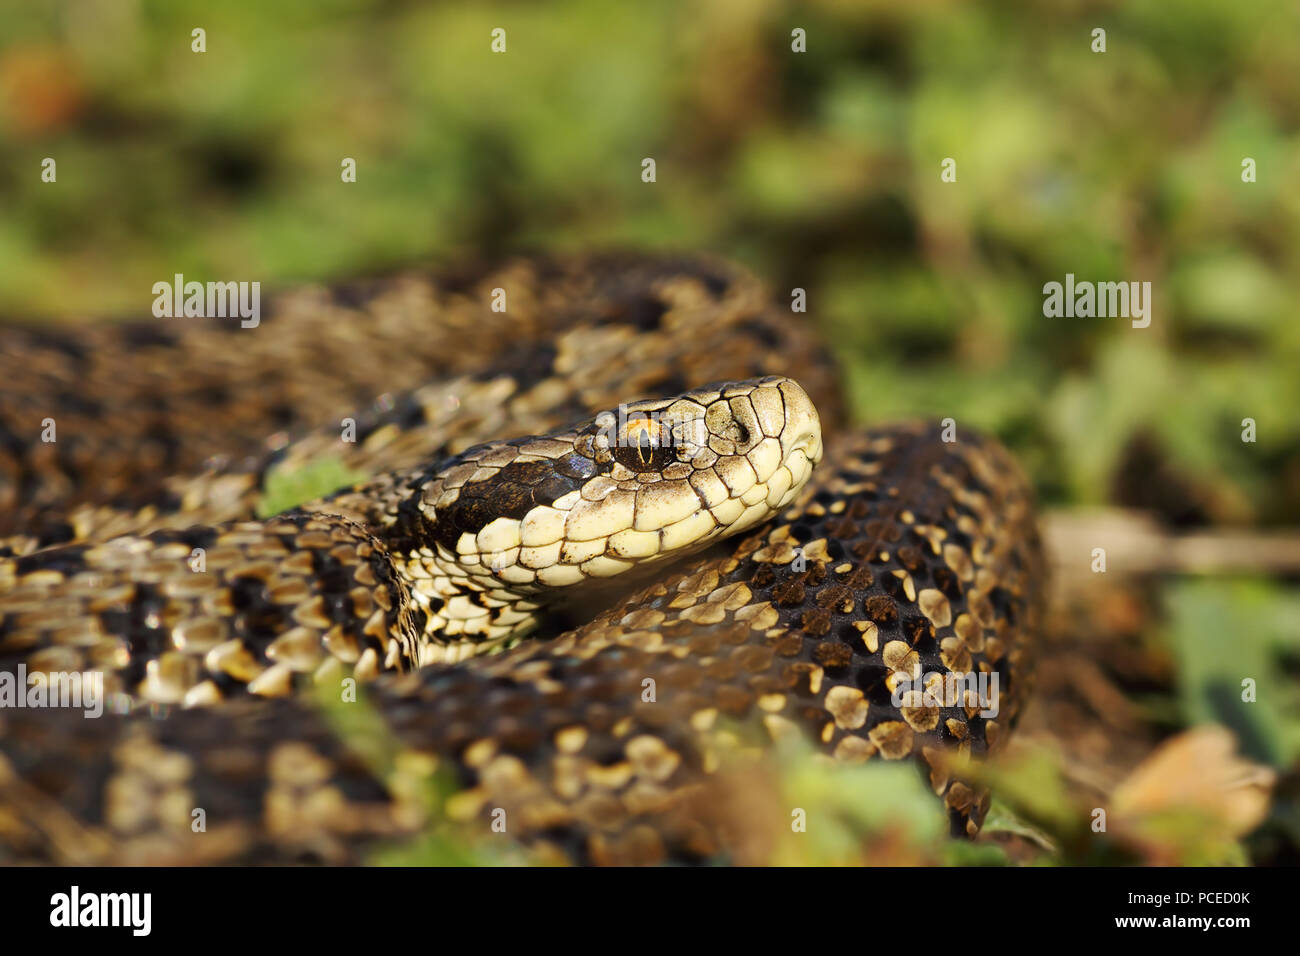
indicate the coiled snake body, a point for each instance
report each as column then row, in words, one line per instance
column 593, row 553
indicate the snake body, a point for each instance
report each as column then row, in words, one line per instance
column 905, row 557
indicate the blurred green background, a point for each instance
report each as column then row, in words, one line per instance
column 819, row 170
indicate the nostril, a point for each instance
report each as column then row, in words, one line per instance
column 810, row 443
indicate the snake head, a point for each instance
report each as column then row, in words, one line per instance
column 646, row 481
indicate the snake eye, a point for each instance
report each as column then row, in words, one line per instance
column 645, row 445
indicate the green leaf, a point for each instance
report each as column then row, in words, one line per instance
column 287, row 489
column 1223, row 632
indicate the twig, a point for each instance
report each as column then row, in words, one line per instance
column 1135, row 543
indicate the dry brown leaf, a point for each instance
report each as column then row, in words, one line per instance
column 1197, row 771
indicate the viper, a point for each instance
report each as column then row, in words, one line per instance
column 583, row 522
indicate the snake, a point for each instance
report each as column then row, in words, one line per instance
column 599, row 519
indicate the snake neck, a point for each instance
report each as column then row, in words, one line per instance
column 459, row 607
column 461, row 616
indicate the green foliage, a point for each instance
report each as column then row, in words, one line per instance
column 1224, row 632
column 287, row 489
column 874, row 813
